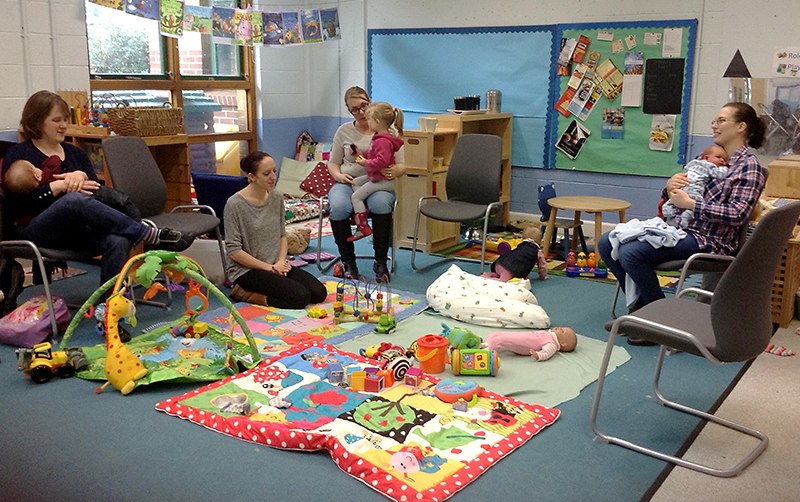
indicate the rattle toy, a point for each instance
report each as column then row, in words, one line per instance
column 474, row 362
column 451, row 390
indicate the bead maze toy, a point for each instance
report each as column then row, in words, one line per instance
column 367, row 301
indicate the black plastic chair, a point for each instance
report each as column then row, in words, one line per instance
column 472, row 187
column 736, row 326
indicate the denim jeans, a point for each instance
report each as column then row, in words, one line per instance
column 80, row 222
column 638, row 260
column 342, row 206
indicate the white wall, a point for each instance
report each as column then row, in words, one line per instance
column 43, row 47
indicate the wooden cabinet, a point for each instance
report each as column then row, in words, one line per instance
column 425, row 176
column 171, row 153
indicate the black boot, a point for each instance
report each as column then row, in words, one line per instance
column 381, row 240
column 347, row 250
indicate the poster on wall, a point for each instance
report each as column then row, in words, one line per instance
column 147, row 9
column 613, row 123
column 573, row 139
column 197, row 19
column 786, row 62
column 662, row 132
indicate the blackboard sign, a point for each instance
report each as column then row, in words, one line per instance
column 663, row 86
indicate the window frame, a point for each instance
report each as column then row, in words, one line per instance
column 175, row 83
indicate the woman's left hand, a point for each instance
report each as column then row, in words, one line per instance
column 681, row 199
column 77, row 181
column 282, row 267
column 393, row 171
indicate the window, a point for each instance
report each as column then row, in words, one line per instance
column 131, row 62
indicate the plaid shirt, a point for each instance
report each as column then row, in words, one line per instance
column 727, row 204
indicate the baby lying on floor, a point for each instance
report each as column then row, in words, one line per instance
column 541, row 345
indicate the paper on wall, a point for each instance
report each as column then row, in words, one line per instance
column 662, row 132
column 652, row 39
column 673, row 43
column 606, row 36
column 632, row 90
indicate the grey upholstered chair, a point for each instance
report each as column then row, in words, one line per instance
column 736, row 326
column 134, row 171
column 472, row 186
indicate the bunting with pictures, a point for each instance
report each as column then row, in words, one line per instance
column 228, row 25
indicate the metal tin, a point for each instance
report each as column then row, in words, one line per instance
column 493, row 100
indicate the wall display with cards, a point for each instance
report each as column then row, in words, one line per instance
column 608, row 69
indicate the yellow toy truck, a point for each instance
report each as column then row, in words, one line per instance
column 42, row 361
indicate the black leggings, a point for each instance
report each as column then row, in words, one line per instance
column 296, row 290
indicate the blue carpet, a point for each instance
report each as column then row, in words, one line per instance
column 61, row 441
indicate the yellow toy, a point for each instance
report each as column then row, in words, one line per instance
column 122, row 367
column 317, row 313
column 581, row 261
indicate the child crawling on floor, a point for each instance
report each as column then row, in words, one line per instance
column 519, row 262
column 22, row 177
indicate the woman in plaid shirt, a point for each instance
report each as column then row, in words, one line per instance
column 726, row 206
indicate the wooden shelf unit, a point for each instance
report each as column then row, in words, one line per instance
column 171, row 153
column 423, row 178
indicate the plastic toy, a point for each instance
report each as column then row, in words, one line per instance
column 570, row 260
column 374, row 383
column 335, row 373
column 451, row 390
column 575, row 271
column 196, row 304
column 474, row 362
column 581, row 261
column 122, row 367
column 338, row 270
column 413, row 377
column 317, row 313
column 386, row 324
column 591, row 261
column 392, row 357
column 460, row 338
column 431, row 352
column 42, row 361
column 367, row 301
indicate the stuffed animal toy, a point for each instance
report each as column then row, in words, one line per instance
column 298, row 239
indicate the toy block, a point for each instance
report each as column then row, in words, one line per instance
column 413, row 376
column 335, row 373
column 373, row 383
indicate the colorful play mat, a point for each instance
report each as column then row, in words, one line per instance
column 399, row 440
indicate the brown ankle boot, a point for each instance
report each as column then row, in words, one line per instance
column 240, row 294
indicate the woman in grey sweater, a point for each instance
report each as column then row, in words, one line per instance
column 255, row 239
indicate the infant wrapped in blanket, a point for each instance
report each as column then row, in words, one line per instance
column 485, row 302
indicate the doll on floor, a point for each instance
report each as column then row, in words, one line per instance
column 520, row 261
column 541, row 345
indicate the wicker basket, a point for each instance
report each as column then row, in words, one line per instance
column 146, row 120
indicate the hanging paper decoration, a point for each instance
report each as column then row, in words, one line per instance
column 230, row 25
column 111, row 4
column 291, row 27
column 309, row 19
column 330, row 24
column 243, row 26
column 171, row 16
column 147, row 9
column 197, row 19
column 258, row 27
column 222, row 25
column 273, row 28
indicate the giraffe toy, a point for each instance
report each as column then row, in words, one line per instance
column 122, row 367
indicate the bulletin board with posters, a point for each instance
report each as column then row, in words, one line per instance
column 628, row 112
